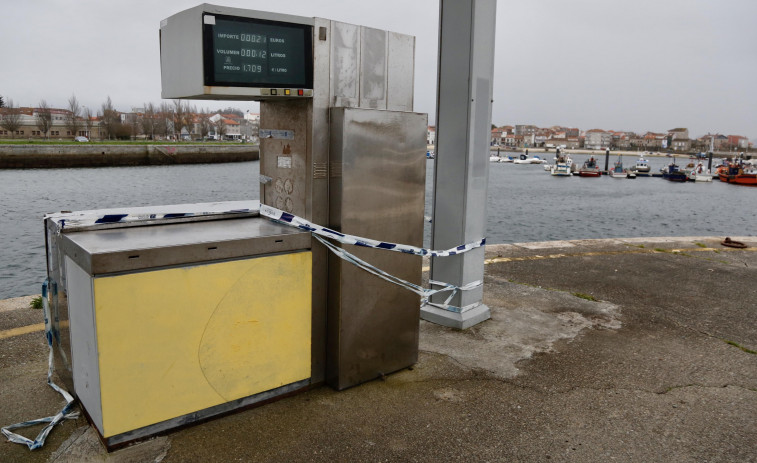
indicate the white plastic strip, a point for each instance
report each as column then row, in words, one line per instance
column 299, row 222
column 83, row 220
column 425, row 293
column 64, row 414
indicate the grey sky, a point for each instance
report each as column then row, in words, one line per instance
column 623, row 65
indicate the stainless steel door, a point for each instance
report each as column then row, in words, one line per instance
column 376, row 190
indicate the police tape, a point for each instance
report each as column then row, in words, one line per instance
column 321, row 233
column 64, row 414
column 299, row 222
column 425, row 293
column 85, row 221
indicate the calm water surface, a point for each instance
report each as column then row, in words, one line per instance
column 525, row 204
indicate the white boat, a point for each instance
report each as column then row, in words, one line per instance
column 641, row 166
column 497, row 158
column 700, row 174
column 563, row 166
column 532, row 160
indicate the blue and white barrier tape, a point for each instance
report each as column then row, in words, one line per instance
column 320, row 233
column 299, row 222
column 84, row 221
column 419, row 290
column 64, row 414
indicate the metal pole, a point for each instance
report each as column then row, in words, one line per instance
column 463, row 121
column 709, row 163
column 607, row 160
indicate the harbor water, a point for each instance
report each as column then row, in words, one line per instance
column 525, row 203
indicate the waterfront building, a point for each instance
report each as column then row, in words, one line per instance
column 597, row 139
column 28, row 125
column 498, row 137
column 525, row 130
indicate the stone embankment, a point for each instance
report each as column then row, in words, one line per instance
column 94, row 155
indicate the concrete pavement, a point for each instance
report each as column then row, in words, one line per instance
column 597, row 350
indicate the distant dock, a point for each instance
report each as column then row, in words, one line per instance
column 35, row 156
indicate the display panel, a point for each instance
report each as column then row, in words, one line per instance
column 247, row 52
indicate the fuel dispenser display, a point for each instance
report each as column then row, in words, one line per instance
column 167, row 323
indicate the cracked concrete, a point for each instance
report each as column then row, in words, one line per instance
column 525, row 320
column 643, row 374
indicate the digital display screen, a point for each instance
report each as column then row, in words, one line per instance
column 246, row 52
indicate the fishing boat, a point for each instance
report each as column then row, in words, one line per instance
column 700, row 174
column 641, row 166
column 740, row 173
column 563, row 166
column 673, row 173
column 618, row 171
column 590, row 168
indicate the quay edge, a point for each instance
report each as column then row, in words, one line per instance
column 35, row 156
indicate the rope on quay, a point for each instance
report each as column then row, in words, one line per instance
column 64, row 414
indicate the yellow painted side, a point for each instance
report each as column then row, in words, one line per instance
column 176, row 341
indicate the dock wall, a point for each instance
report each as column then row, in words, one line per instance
column 84, row 155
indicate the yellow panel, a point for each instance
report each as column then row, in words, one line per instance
column 176, row 341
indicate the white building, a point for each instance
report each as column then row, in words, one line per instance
column 431, row 135
column 597, row 139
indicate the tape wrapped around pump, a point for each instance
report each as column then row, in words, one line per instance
column 425, row 293
column 64, row 414
column 321, row 233
column 299, row 222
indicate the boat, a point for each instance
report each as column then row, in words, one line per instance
column 537, row 160
column 430, row 155
column 498, row 158
column 563, row 165
column 590, row 168
column 641, row 166
column 700, row 174
column 673, row 173
column 720, row 168
column 618, row 171
column 740, row 173
column 526, row 160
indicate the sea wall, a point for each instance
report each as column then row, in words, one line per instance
column 94, row 155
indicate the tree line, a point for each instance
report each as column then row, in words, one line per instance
column 168, row 119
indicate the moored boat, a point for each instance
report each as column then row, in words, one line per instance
column 673, row 173
column 532, row 160
column 700, row 174
column 739, row 173
column 617, row 171
column 641, row 166
column 590, row 168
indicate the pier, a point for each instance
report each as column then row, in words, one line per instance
column 626, row 349
column 35, row 156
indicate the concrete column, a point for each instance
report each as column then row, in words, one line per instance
column 463, row 127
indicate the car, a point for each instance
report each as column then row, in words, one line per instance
column 82, row 139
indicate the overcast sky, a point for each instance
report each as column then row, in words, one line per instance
column 622, row 65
